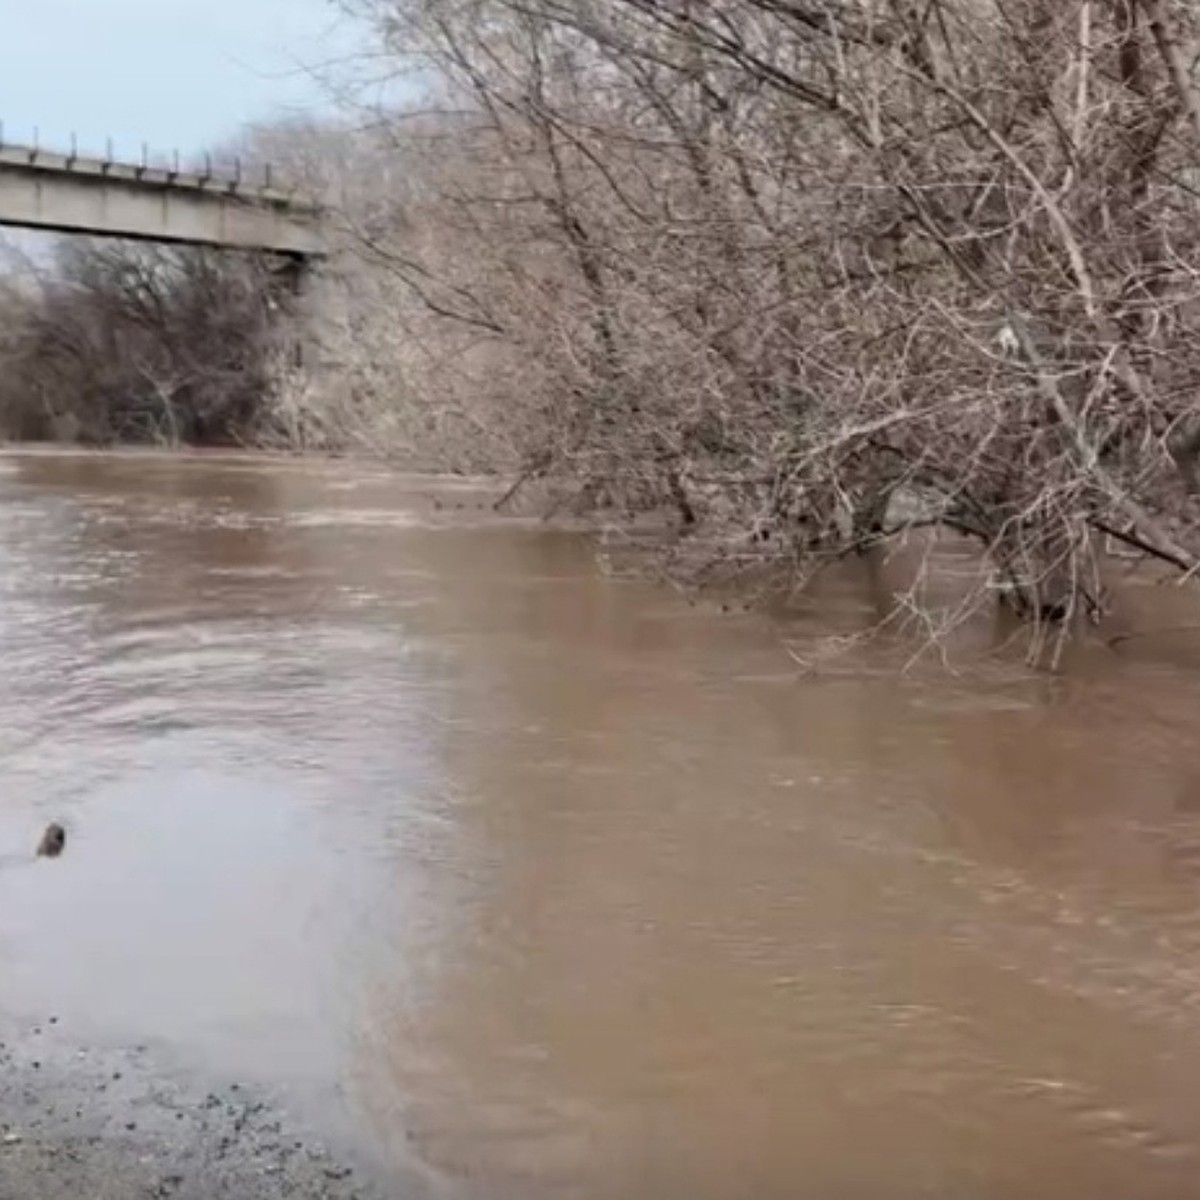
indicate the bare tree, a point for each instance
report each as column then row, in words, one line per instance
column 816, row 275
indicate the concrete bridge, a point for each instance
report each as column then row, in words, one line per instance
column 66, row 193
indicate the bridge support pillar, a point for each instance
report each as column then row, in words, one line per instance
column 292, row 277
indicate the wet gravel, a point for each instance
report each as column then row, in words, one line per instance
column 83, row 1122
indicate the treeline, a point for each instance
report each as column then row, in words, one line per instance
column 114, row 342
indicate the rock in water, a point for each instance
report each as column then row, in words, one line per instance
column 53, row 841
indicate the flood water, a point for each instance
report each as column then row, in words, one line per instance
column 544, row 883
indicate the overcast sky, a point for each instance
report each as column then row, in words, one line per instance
column 185, row 74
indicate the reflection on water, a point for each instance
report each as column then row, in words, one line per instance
column 556, row 886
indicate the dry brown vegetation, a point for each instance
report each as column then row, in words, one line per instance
column 813, row 273
column 125, row 343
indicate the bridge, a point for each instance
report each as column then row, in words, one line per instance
column 67, row 193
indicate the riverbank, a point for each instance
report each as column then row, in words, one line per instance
column 78, row 1120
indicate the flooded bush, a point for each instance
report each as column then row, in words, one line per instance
column 815, row 276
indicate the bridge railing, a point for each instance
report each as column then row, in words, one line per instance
column 260, row 181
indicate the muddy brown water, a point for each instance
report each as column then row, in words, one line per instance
column 550, row 884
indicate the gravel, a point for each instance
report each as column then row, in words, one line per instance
column 87, row 1123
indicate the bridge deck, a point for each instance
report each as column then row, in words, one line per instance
column 68, row 194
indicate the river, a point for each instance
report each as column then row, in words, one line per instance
column 537, row 881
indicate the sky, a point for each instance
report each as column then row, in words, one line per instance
column 175, row 74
